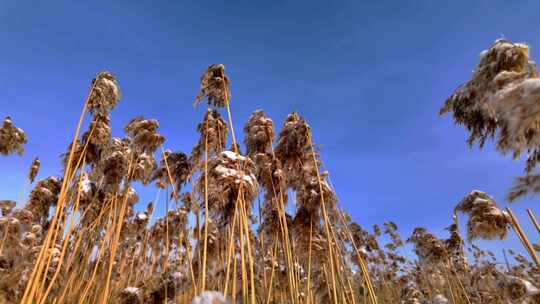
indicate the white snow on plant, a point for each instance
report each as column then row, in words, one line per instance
column 209, row 297
column 132, row 290
column 228, row 172
column 233, row 156
column 142, row 216
column 440, row 299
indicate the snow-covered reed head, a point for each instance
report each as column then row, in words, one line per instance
column 214, row 86
column 410, row 293
column 440, row 299
column 518, row 290
column 428, row 247
column 113, row 164
column 213, row 137
column 143, row 167
column 43, row 196
column 259, row 133
column 105, row 93
column 96, row 139
column 486, row 220
column 131, row 295
column 12, row 138
column 143, row 134
column 474, row 104
column 209, row 297
column 365, row 242
column 34, row 169
column 293, row 146
column 502, row 101
column 173, row 168
column 231, row 177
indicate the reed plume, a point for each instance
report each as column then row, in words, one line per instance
column 228, row 173
column 34, row 169
column 12, row 139
column 214, row 86
column 501, row 101
column 213, row 137
column 486, row 220
column 105, row 93
column 86, row 238
column 143, row 135
column 428, row 248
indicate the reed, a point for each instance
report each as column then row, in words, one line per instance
column 78, row 239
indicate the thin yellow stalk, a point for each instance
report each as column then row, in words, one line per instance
column 65, row 244
column 59, row 228
column 462, row 288
column 242, row 216
column 250, row 256
column 344, row 298
column 362, row 262
column 166, row 262
column 69, row 281
column 453, row 297
column 289, row 258
column 29, row 291
column 82, row 233
column 232, row 126
column 230, row 250
column 153, row 265
column 286, row 242
column 272, row 256
column 523, row 237
column 234, row 146
column 116, row 240
column 191, row 266
column 326, row 224
column 326, row 279
column 167, row 214
column 309, row 262
column 265, row 275
column 108, row 236
column 533, row 220
column 132, row 264
column 234, row 281
column 91, row 282
column 78, row 285
column 4, row 238
column 122, row 266
column 143, row 254
column 73, row 272
column 285, row 238
column 199, row 238
column 242, row 257
column 42, row 277
column 339, row 259
column 346, row 289
column 203, row 283
column 351, row 290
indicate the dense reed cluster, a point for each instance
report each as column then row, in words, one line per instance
column 262, row 226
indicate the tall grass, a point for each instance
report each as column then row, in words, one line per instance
column 78, row 238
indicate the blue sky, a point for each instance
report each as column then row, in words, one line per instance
column 369, row 76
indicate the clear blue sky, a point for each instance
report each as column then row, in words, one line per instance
column 369, row 77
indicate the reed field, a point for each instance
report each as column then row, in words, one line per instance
column 258, row 221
